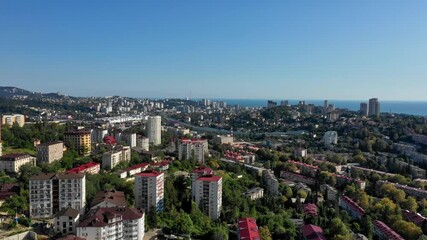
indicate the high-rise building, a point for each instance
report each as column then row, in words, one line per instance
column 325, row 107
column 208, row 195
column 193, row 148
column 52, row 192
column 364, row 109
column 129, row 139
column 98, row 134
column 330, row 138
column 79, row 139
column 271, row 104
column 195, row 174
column 154, row 130
column 149, row 190
column 50, row 152
column 14, row 118
column 374, row 107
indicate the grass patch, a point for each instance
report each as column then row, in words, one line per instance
column 10, row 150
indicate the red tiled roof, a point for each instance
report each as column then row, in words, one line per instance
column 209, row 178
column 386, row 230
column 353, row 205
column 141, row 165
column 83, row 167
column 202, row 169
column 416, row 218
column 310, row 209
column 150, row 173
column 248, row 229
column 312, row 232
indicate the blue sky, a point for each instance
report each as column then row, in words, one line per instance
column 217, row 49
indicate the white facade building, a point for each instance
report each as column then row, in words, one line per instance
column 154, row 130
column 143, row 143
column 12, row 162
column 189, row 148
column 65, row 221
column 120, row 223
column 112, row 158
column 52, row 192
column 330, row 138
column 149, row 190
column 50, row 152
column 129, row 139
column 208, row 195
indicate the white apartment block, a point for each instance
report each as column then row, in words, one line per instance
column 97, row 135
column 254, row 193
column 52, row 192
column 129, row 139
column 110, row 159
column 330, row 137
column 65, row 221
column 118, row 223
column 193, row 148
column 149, row 190
column 195, row 174
column 12, row 162
column 143, row 143
column 50, row 152
column 208, row 195
column 154, row 130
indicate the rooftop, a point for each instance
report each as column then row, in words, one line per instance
column 68, row 212
column 99, row 217
column 114, row 197
column 248, row 229
column 150, row 173
column 210, row 178
column 392, row 235
column 312, row 232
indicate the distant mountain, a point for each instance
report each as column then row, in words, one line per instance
column 14, row 92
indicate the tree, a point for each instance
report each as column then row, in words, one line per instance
column 264, row 233
column 338, row 230
column 152, row 217
column 15, row 204
column 408, row 230
column 410, row 204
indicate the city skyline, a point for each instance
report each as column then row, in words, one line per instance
column 229, row 50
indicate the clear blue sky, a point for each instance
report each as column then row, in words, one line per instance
column 217, row 49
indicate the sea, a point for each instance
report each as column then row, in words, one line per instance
column 417, row 108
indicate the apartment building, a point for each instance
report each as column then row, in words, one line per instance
column 65, row 221
column 254, row 193
column 384, row 232
column 52, row 192
column 90, row 168
column 143, row 143
column 270, row 182
column 304, row 168
column 117, row 223
column 411, row 191
column 223, row 139
column 49, row 152
column 129, row 139
column 111, row 158
column 79, row 139
column 12, row 119
column 193, row 148
column 154, row 130
column 329, row 192
column 351, row 207
column 294, row 177
column 108, row 199
column 195, row 174
column 248, row 229
column 98, row 134
column 12, row 162
column 208, row 195
column 149, row 190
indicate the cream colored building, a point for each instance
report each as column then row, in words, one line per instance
column 14, row 118
column 12, row 162
column 50, row 152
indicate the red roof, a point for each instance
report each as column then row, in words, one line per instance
column 386, row 230
column 248, row 229
column 162, row 163
column 310, row 209
column 354, row 206
column 83, row 167
column 312, row 232
column 416, row 218
column 203, row 169
column 110, row 140
column 210, row 178
column 150, row 173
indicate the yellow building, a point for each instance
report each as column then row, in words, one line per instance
column 14, row 118
column 79, row 139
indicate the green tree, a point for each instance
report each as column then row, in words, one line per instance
column 264, row 233
column 152, row 218
column 338, row 230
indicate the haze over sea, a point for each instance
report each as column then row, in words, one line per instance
column 418, row 108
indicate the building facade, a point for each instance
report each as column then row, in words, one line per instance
column 12, row 119
column 154, row 130
column 90, row 168
column 149, row 190
column 208, row 195
column 79, row 139
column 12, row 162
column 143, row 143
column 193, row 148
column 65, row 221
column 110, row 159
column 49, row 152
column 270, row 182
column 52, row 192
